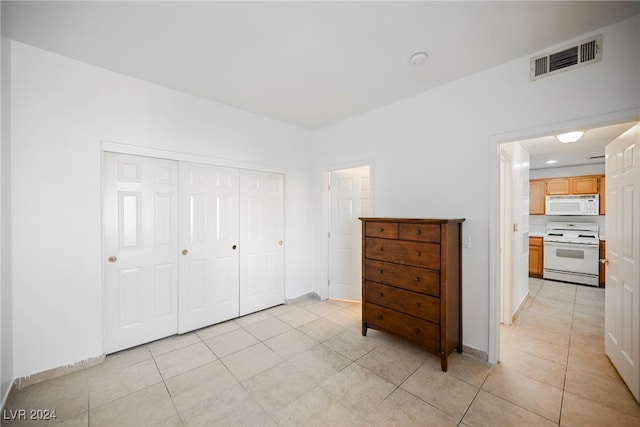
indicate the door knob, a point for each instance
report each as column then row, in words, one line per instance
column 604, row 261
column 112, row 259
column 184, row 252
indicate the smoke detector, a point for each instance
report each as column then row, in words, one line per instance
column 418, row 58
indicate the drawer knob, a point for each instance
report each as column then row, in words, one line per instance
column 379, row 316
column 380, row 271
column 380, row 249
column 416, row 279
column 417, row 253
column 418, row 305
column 418, row 231
column 418, row 331
column 381, row 230
column 380, row 294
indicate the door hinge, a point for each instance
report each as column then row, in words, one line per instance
column 515, row 228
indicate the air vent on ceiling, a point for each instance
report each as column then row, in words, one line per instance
column 583, row 53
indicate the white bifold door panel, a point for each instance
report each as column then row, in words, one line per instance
column 622, row 288
column 187, row 245
column 261, row 240
column 140, row 206
column 209, row 227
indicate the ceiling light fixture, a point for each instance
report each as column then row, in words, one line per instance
column 418, row 58
column 550, row 162
column 570, row 136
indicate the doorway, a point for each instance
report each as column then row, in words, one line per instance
column 349, row 197
column 496, row 262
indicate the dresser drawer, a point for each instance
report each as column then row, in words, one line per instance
column 422, row 306
column 415, row 279
column 388, row 230
column 409, row 253
column 420, row 232
column 421, row 332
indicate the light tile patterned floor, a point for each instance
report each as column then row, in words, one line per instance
column 307, row 364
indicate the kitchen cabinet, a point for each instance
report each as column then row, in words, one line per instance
column 557, row 186
column 411, row 281
column 536, row 253
column 603, row 266
column 587, row 184
column 583, row 184
column 536, row 196
column 602, row 193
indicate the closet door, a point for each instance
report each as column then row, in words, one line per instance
column 209, row 250
column 261, row 240
column 140, row 221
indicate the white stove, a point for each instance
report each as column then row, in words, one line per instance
column 580, row 233
column 571, row 252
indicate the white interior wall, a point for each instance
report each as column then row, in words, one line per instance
column 61, row 111
column 519, row 200
column 431, row 150
column 6, row 330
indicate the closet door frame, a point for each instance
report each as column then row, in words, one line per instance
column 120, row 148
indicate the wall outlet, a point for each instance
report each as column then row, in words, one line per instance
column 466, row 241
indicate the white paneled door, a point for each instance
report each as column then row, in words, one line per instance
column 261, row 240
column 209, row 239
column 349, row 199
column 140, row 218
column 187, row 245
column 622, row 293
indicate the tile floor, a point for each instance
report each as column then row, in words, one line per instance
column 307, row 364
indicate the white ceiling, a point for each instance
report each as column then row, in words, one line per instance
column 591, row 144
column 306, row 63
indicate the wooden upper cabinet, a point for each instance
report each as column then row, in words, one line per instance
column 536, row 197
column 602, row 192
column 584, row 184
column 557, row 186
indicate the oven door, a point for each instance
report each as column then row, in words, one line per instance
column 571, row 257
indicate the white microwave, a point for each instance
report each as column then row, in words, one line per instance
column 573, row 205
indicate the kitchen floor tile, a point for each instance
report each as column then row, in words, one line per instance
column 358, row 389
column 390, row 364
column 404, row 409
column 489, row 410
column 226, row 344
column 442, row 390
column 184, row 359
column 307, row 363
column 106, row 385
column 250, row 361
column 199, row 384
column 142, row 408
column 277, row 387
column 536, row 397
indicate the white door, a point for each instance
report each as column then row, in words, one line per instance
column 140, row 218
column 208, row 245
column 349, row 199
column 261, row 240
column 622, row 293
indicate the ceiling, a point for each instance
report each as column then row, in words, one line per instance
column 581, row 152
column 306, row 63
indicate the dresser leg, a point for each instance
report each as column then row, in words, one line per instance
column 364, row 328
column 443, row 362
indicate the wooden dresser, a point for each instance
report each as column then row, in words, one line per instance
column 411, row 281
